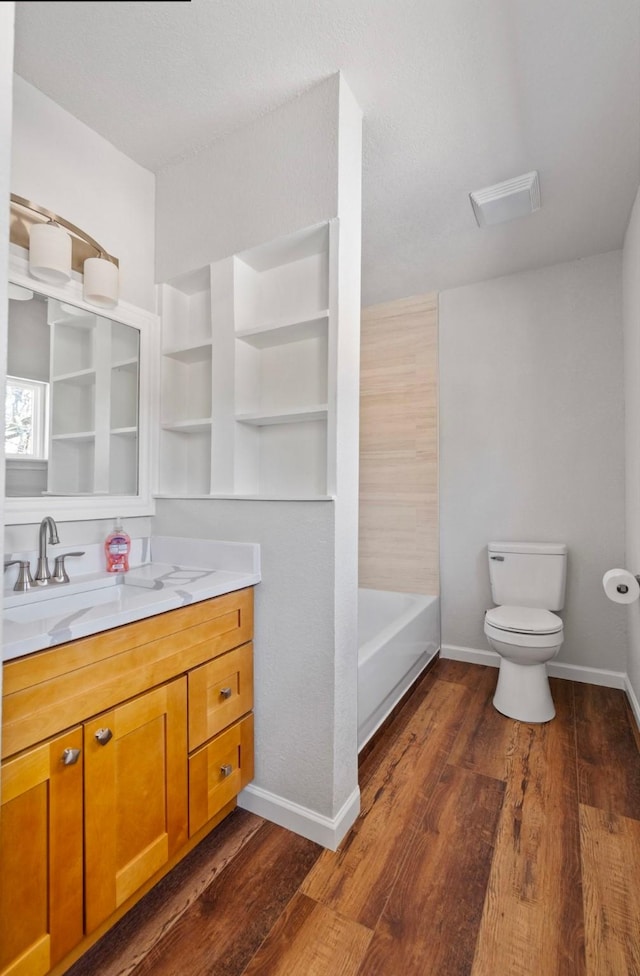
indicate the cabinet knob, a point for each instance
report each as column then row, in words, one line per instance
column 225, row 692
column 103, row 736
column 227, row 769
column 70, row 756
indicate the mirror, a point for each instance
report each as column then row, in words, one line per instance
column 72, row 404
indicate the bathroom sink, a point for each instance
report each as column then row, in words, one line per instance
column 64, row 605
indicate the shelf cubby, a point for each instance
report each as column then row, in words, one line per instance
column 186, row 461
column 73, row 404
column 123, row 458
column 124, row 395
column 71, row 464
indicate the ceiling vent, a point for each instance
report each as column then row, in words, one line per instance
column 507, row 200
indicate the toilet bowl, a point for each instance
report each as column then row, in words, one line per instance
column 525, row 638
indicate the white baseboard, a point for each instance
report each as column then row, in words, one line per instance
column 589, row 676
column 470, row 655
column 633, row 700
column 557, row 669
column 327, row 831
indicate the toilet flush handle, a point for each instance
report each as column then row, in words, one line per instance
column 498, row 559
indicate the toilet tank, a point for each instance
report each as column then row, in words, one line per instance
column 528, row 574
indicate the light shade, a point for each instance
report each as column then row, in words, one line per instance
column 507, row 200
column 50, row 253
column 100, row 283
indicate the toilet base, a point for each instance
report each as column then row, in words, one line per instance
column 523, row 692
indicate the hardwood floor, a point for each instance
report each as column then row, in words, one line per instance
column 484, row 847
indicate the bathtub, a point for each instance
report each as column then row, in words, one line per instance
column 398, row 634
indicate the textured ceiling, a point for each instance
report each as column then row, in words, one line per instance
column 456, row 95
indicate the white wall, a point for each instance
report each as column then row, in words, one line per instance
column 532, row 443
column 262, row 181
column 294, row 632
column 297, row 167
column 631, row 312
column 21, row 538
column 63, row 165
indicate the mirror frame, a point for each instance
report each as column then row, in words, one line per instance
column 74, row 508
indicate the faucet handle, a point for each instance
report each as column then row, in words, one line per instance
column 24, row 580
column 60, row 574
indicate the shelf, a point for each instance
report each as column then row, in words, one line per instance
column 124, row 431
column 298, row 416
column 307, row 242
column 131, row 365
column 199, row 353
column 279, row 333
column 81, row 437
column 188, row 426
column 81, row 377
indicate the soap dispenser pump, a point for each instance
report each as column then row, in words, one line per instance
column 117, row 546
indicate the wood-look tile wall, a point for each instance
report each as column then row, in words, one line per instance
column 399, row 446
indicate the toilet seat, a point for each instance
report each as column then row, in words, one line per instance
column 523, row 620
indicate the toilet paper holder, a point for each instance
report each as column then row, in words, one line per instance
column 623, row 588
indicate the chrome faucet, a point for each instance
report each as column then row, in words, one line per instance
column 43, row 574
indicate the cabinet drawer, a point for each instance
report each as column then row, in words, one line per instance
column 218, row 771
column 220, row 692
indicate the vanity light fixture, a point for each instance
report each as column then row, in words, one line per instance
column 100, row 286
column 50, row 253
column 56, row 247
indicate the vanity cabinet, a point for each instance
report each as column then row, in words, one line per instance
column 157, row 715
column 248, row 372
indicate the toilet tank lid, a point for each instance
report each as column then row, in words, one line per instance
column 544, row 548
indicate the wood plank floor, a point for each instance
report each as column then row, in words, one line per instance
column 484, row 847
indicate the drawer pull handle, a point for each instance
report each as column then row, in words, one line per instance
column 70, row 757
column 227, row 769
column 225, row 692
column 103, row 736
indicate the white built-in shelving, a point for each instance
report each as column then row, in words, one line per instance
column 246, row 378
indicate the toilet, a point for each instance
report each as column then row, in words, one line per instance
column 527, row 583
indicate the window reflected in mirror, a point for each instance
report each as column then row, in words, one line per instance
column 72, row 401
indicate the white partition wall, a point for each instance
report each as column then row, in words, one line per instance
column 259, row 439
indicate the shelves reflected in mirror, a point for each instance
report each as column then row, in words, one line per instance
column 72, row 402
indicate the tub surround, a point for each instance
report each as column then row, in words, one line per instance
column 398, row 532
column 166, row 573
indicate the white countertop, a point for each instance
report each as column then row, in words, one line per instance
column 179, row 572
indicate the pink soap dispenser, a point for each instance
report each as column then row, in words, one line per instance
column 117, row 546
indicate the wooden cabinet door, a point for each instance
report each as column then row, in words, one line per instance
column 41, row 857
column 135, row 795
